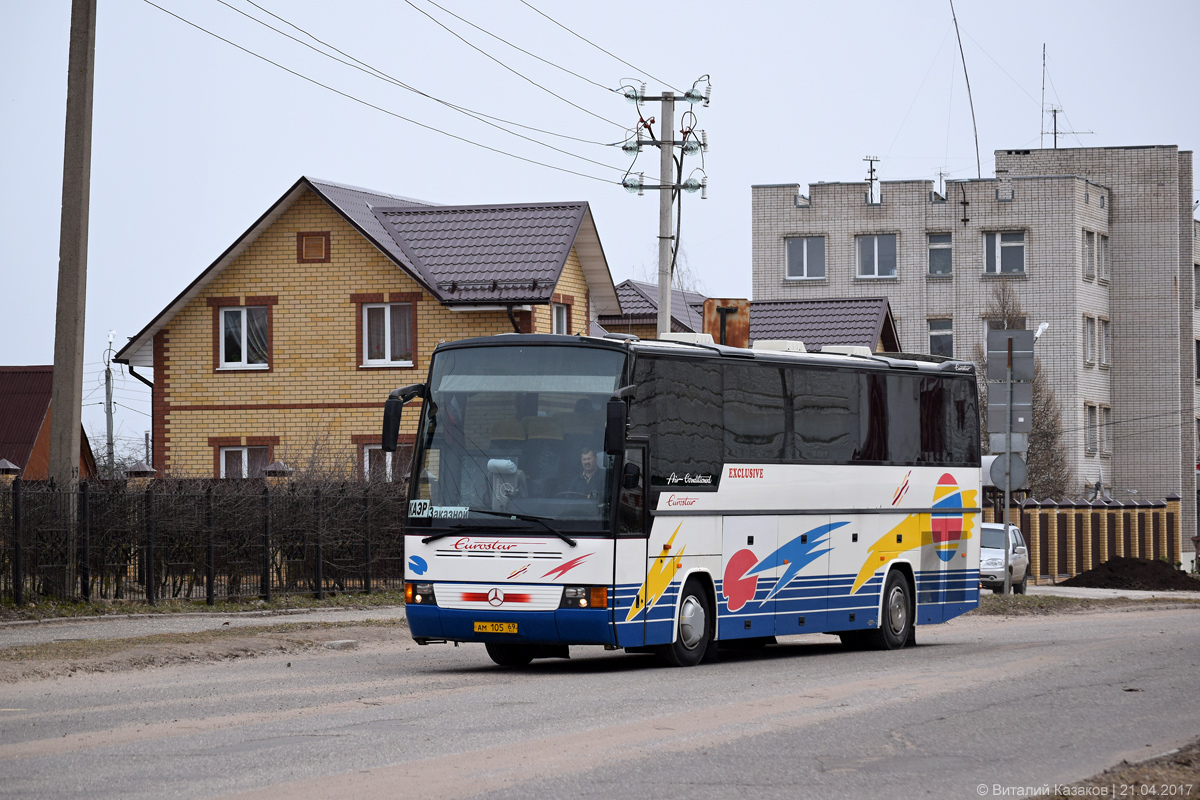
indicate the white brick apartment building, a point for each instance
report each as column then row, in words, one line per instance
column 1099, row 242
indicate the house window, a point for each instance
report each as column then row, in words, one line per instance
column 940, row 254
column 1196, row 285
column 1105, row 430
column 244, row 337
column 1089, row 254
column 244, row 462
column 877, row 256
column 806, row 257
column 1004, row 253
column 1105, row 343
column 941, row 337
column 1197, row 359
column 1092, row 432
column 1105, row 264
column 312, row 248
column 379, row 465
column 1017, row 324
column 1089, row 340
column 388, row 338
column 561, row 321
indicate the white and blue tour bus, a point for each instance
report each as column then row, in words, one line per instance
column 673, row 497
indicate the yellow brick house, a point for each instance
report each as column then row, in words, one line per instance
column 286, row 346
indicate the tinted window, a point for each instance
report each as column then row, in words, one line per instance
column 825, row 409
column 755, row 422
column 679, row 406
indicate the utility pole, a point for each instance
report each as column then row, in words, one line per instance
column 67, row 384
column 108, row 403
column 666, row 201
column 670, row 176
column 871, row 162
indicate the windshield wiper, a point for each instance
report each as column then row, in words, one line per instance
column 508, row 515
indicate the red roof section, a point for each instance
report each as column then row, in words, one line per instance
column 24, row 401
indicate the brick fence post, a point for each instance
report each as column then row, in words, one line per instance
column 1034, row 538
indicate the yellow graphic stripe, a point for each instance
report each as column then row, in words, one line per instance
column 658, row 578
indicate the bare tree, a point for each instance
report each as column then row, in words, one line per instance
column 1049, row 470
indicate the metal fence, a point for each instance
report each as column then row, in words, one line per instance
column 199, row 540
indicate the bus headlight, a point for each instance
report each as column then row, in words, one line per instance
column 419, row 594
column 584, row 597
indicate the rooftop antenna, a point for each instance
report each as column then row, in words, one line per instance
column 1054, row 112
column 1042, row 117
column 978, row 163
column 871, row 180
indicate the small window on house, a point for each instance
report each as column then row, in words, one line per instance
column 388, row 339
column 1106, row 430
column 244, row 337
column 561, row 322
column 1089, row 340
column 1092, row 431
column 1004, row 253
column 940, row 254
column 941, row 337
column 387, row 467
column 806, row 257
column 1105, row 265
column 312, row 248
column 1089, row 254
column 244, row 462
column 877, row 256
column 1105, row 343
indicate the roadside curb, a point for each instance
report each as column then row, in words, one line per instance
column 278, row 612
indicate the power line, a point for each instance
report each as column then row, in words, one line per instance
column 134, row 410
column 444, row 27
column 601, row 49
column 372, row 105
column 375, row 72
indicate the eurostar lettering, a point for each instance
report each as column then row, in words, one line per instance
column 675, row 500
column 745, row 472
column 490, row 545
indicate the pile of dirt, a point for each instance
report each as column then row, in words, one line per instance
column 1135, row 573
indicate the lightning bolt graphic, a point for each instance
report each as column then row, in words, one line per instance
column 518, row 572
column 797, row 555
column 563, row 569
column 903, row 490
column 658, row 578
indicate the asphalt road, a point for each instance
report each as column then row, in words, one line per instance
column 1023, row 702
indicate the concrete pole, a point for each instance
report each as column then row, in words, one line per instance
column 666, row 200
column 67, row 385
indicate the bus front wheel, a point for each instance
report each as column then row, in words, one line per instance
column 896, row 625
column 510, row 655
column 694, row 634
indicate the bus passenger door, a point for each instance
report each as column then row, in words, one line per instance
column 629, row 557
column 746, row 605
column 802, row 591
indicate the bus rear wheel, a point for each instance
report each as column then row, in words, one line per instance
column 693, row 635
column 510, row 655
column 896, row 625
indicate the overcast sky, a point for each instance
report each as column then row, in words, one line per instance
column 193, row 138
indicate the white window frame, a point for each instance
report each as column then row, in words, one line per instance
column 1091, row 431
column 386, row 361
column 874, row 238
column 1105, row 430
column 245, row 451
column 366, row 462
column 243, row 313
column 1089, row 340
column 1089, row 255
column 1105, row 258
column 560, row 318
column 1104, row 329
column 803, row 275
column 945, row 333
column 947, row 246
column 993, row 250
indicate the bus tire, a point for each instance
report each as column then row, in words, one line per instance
column 897, row 618
column 693, row 629
column 510, row 655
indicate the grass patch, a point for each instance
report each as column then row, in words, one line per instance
column 1029, row 605
column 46, row 608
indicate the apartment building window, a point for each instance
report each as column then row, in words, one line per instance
column 1196, row 285
column 806, row 257
column 1105, row 263
column 386, row 467
column 1197, row 359
column 1004, row 253
column 941, row 337
column 1105, row 431
column 1089, row 340
column 1089, row 254
column 877, row 256
column 1105, row 343
column 388, row 335
column 244, row 462
column 1092, row 431
column 245, row 337
column 940, row 254
column 561, row 319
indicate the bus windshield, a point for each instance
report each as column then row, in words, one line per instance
column 516, row 430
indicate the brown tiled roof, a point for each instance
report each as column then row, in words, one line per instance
column 24, row 403
column 639, row 306
column 850, row 321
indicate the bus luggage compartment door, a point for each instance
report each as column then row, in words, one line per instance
column 745, row 603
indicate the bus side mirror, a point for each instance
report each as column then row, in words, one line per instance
column 614, row 428
column 392, row 410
